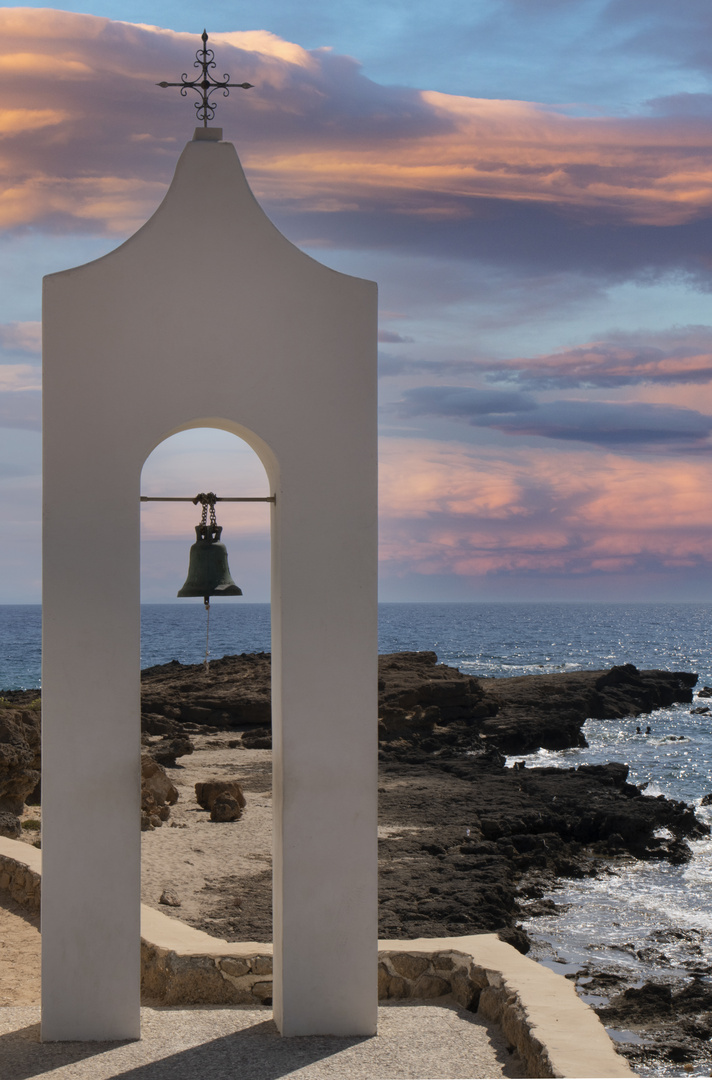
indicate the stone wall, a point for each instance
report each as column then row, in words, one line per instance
column 403, row 975
column 22, row 883
column 172, row 978
column 169, row 978
column 419, row 976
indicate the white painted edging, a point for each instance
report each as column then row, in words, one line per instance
column 555, row 1033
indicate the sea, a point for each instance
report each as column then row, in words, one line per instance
column 639, row 920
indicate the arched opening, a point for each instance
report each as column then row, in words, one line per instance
column 206, row 725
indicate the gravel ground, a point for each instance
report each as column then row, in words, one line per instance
column 414, row 1042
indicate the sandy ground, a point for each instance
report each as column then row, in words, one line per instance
column 19, row 955
column 196, row 858
column 206, row 865
column 189, row 856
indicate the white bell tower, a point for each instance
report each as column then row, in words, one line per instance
column 208, row 316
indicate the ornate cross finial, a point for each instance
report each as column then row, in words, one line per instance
column 205, row 86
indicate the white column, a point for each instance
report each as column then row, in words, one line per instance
column 91, row 746
column 325, row 753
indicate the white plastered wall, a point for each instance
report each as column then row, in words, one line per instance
column 208, row 316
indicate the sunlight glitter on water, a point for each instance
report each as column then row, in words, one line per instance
column 643, row 920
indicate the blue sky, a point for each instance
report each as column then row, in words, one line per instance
column 530, row 183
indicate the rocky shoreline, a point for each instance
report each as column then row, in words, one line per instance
column 466, row 844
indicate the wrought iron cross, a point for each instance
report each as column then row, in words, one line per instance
column 207, row 85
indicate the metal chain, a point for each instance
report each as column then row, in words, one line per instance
column 208, row 502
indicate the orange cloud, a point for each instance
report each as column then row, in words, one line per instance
column 438, row 479
column 314, row 133
column 575, row 513
column 642, row 171
column 115, row 204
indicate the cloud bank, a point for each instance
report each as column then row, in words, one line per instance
column 682, row 355
column 602, row 423
column 88, row 142
column 590, row 451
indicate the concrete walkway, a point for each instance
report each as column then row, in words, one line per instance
column 414, row 1042
column 521, row 1004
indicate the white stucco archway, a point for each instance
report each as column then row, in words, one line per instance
column 209, row 317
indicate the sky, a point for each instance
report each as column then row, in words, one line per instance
column 530, row 184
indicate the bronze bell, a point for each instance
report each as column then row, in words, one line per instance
column 208, row 572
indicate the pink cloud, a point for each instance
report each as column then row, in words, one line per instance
column 19, row 377
column 25, row 337
column 89, row 141
column 453, row 510
column 676, row 356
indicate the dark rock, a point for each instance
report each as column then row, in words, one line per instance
column 156, row 724
column 169, row 898
column 646, row 1003
column 516, row 936
column 549, row 711
column 545, row 907
column 208, row 791
column 158, row 794
column 428, row 706
column 675, row 1021
column 257, row 739
column 10, row 825
column 417, row 695
column 235, row 691
column 166, row 751
column 225, row 808
column 19, row 756
column 526, row 829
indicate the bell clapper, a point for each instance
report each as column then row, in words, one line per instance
column 206, row 602
column 208, row 502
